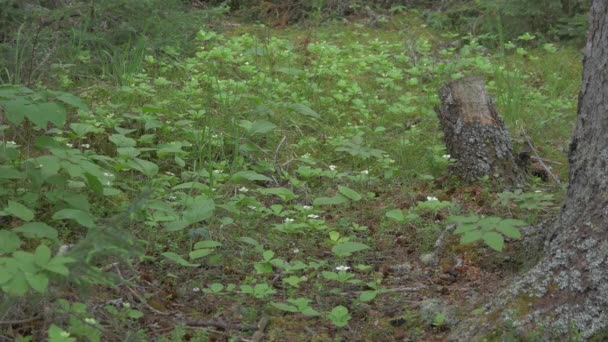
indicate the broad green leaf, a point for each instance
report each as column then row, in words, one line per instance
column 285, row 307
column 9, row 242
column 178, row 259
column 267, row 255
column 509, row 231
column 81, row 217
column 42, row 255
column 367, row 296
column 349, row 247
column 396, row 214
column 283, row 193
column 129, row 152
column 463, row 219
column 9, row 172
column 19, row 210
column 349, row 193
column 199, row 253
column 339, row 316
column 49, row 165
column 17, row 285
column 40, row 114
column 242, row 176
column 465, row 227
column 39, row 282
column 305, row 110
column 471, row 236
column 176, row 225
column 122, row 141
column 37, row 230
column 57, row 265
column 494, row 241
column 336, row 200
column 56, row 334
column 94, row 183
column 82, row 129
column 201, row 209
column 257, row 126
column 148, row 168
column 71, row 100
column 16, row 109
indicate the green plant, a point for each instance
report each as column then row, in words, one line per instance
column 490, row 229
column 339, row 316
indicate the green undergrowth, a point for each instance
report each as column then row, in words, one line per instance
column 273, row 173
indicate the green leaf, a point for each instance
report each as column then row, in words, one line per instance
column 283, row 193
column 347, row 248
column 9, row 242
column 42, row 255
column 17, row 285
column 122, row 141
column 471, row 236
column 267, row 255
column 305, row 110
column 349, row 193
column 94, row 183
column 396, row 214
column 9, row 172
column 201, row 209
column 199, row 253
column 39, row 282
column 15, row 110
column 178, row 259
column 38, row 230
column 257, row 126
column 242, row 176
column 19, row 210
column 40, row 114
column 57, row 265
column 367, row 296
column 339, row 316
column 336, row 200
column 463, row 219
column 81, row 217
column 71, row 100
column 509, row 231
column 148, row 168
column 494, row 241
column 466, row 227
column 285, row 307
column 56, row 334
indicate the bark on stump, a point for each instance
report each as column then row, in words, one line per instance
column 475, row 134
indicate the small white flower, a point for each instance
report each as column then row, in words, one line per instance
column 313, row 216
column 446, row 156
column 86, row 146
column 296, row 251
column 168, row 173
column 172, row 198
column 69, row 145
column 217, row 171
column 65, row 334
column 431, row 198
column 342, row 268
column 288, row 220
column 251, row 207
column 538, row 191
column 196, row 289
column 333, row 167
column 90, row 321
column 243, row 189
column 107, row 174
column 246, row 63
column 126, row 305
column 306, row 156
column 11, row 143
column 306, row 207
column 365, row 172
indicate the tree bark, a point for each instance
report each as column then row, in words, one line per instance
column 475, row 134
column 567, row 291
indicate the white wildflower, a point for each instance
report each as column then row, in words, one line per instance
column 90, row 321
column 446, row 156
column 196, row 289
column 11, row 143
column 288, row 220
column 85, row 146
column 251, row 207
column 365, row 172
column 313, row 216
column 243, row 189
column 296, row 251
column 69, row 145
column 538, row 191
column 217, row 171
column 65, row 334
column 168, row 173
column 342, row 268
column 172, row 198
column 306, row 207
column 333, row 167
column 107, row 174
column 431, row 198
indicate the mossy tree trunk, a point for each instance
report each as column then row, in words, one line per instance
column 567, row 291
column 475, row 134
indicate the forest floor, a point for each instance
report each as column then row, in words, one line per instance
column 292, row 185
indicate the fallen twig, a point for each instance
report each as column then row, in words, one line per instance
column 20, row 321
column 439, row 244
column 220, row 325
column 538, row 158
column 259, row 334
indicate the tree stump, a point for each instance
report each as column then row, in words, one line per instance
column 475, row 134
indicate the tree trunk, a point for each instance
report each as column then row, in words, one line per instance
column 567, row 291
column 475, row 134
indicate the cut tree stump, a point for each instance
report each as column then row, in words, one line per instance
column 475, row 134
